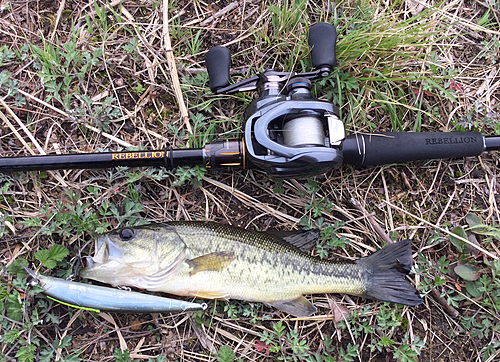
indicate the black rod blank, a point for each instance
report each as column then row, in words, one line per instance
column 217, row 154
column 159, row 158
column 492, row 143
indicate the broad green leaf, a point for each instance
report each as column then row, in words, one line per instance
column 459, row 244
column 485, row 230
column 121, row 356
column 63, row 343
column 385, row 341
column 49, row 258
column 16, row 268
column 225, row 354
column 51, row 318
column 42, row 255
column 46, row 355
column 11, row 336
column 58, row 252
column 49, row 263
column 472, row 289
column 477, row 226
column 473, row 220
column 73, row 358
column 14, row 306
column 467, row 272
column 26, row 353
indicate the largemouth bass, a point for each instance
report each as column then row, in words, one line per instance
column 215, row 261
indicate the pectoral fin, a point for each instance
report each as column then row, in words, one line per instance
column 211, row 262
column 298, row 307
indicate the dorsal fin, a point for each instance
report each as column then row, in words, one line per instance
column 304, row 240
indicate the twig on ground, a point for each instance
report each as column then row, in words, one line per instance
column 448, row 308
column 203, row 338
column 58, row 18
column 448, row 232
column 252, row 201
column 460, row 20
column 443, row 213
column 68, row 328
column 55, row 174
column 173, row 69
column 389, row 212
column 23, row 127
column 376, row 226
column 220, row 13
column 109, row 318
column 55, row 109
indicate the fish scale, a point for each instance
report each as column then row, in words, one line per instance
column 272, row 254
column 210, row 260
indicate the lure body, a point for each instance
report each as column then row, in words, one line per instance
column 88, row 296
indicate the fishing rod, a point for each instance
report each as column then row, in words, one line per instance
column 287, row 132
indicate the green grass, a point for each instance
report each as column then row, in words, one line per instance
column 396, row 71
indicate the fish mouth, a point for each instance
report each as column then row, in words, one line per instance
column 105, row 262
column 105, row 250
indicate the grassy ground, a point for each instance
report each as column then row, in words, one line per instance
column 86, row 77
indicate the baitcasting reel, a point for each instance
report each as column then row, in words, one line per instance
column 288, row 132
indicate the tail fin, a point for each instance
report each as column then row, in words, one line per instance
column 386, row 270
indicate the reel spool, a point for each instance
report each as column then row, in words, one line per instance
column 306, row 131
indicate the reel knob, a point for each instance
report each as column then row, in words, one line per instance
column 322, row 40
column 218, row 63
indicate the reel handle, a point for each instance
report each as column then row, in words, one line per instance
column 218, row 63
column 382, row 148
column 322, row 40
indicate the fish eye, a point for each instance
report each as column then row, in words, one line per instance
column 126, row 234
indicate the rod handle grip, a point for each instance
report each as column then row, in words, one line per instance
column 382, row 148
column 218, row 63
column 322, row 40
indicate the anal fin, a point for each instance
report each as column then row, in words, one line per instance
column 298, row 307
